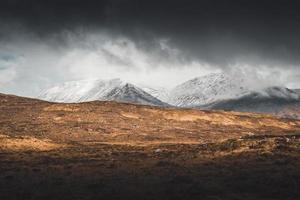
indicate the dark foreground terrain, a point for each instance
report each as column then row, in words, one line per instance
column 107, row 150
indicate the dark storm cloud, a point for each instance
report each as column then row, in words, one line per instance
column 218, row 32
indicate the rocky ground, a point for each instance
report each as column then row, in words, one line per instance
column 108, row 150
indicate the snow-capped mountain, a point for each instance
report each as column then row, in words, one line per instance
column 207, row 89
column 90, row 90
column 213, row 91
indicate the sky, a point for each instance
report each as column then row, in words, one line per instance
column 159, row 43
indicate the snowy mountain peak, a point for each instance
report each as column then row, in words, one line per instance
column 206, row 89
column 130, row 93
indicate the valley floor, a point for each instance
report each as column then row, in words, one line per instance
column 107, row 150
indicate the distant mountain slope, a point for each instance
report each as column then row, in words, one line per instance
column 90, row 90
column 207, row 89
column 275, row 100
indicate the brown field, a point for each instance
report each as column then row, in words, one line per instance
column 108, row 150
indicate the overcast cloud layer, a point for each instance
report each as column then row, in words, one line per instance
column 159, row 43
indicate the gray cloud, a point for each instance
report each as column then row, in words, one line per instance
column 219, row 32
column 59, row 40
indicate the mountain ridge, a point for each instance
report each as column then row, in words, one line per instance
column 213, row 91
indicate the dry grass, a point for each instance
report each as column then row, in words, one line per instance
column 27, row 143
column 108, row 150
